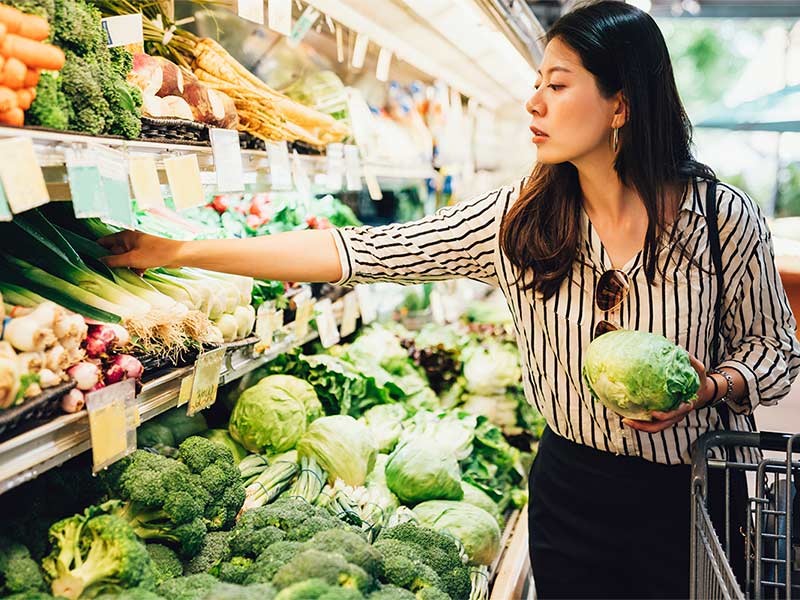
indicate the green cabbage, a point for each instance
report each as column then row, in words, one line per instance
column 385, row 422
column 481, row 499
column 342, row 446
column 477, row 530
column 421, row 469
column 490, row 368
column 633, row 373
column 271, row 416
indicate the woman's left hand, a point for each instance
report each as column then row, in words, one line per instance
column 664, row 420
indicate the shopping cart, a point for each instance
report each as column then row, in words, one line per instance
column 770, row 540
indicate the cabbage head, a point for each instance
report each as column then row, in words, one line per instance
column 481, row 499
column 477, row 530
column 421, row 469
column 634, row 372
column 271, row 416
column 490, row 368
column 385, row 422
column 342, row 446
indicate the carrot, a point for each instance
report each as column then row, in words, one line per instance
column 3, row 32
column 34, row 54
column 31, row 78
column 11, row 18
column 34, row 27
column 8, row 99
column 25, row 97
column 14, row 73
column 14, row 117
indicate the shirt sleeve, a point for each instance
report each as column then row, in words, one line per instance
column 758, row 326
column 457, row 241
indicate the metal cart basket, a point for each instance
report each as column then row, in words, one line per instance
column 770, row 541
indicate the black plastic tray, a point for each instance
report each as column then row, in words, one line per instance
column 174, row 130
column 43, row 406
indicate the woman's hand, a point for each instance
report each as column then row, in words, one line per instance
column 664, row 420
column 140, row 250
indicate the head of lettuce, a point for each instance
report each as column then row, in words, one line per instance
column 634, row 373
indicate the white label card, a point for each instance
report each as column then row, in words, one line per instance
column 227, row 159
column 279, row 167
column 303, row 315
column 123, row 30
column 366, row 304
column 302, row 182
column 112, row 427
column 303, row 25
column 252, row 10
column 372, row 184
column 384, row 62
column 183, row 174
column 280, row 16
column 335, row 166
column 326, row 323
column 21, row 175
column 352, row 168
column 144, row 181
column 437, row 308
column 360, row 51
column 349, row 314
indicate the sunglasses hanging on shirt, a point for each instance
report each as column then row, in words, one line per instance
column 611, row 291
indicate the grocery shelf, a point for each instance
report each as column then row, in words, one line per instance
column 511, row 570
column 28, row 455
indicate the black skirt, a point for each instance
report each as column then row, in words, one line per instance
column 609, row 526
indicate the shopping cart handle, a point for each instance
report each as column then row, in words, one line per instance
column 769, row 440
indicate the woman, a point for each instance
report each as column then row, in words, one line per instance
column 613, row 211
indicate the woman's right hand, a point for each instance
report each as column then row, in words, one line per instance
column 140, row 251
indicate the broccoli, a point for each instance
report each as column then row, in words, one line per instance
column 215, row 549
column 131, row 594
column 193, row 587
column 297, row 518
column 353, row 548
column 162, row 500
column 317, row 589
column 80, row 84
column 229, row 591
column 405, row 572
column 436, row 550
column 166, row 564
column 392, row 592
column 76, row 27
column 432, row 594
column 93, row 551
column 273, row 558
column 251, row 541
column 31, row 596
column 219, row 476
column 331, row 567
column 18, row 571
column 236, row 570
column 50, row 108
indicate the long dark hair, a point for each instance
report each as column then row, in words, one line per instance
column 624, row 50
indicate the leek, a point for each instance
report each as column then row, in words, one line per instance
column 19, row 296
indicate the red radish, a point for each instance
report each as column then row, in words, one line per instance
column 96, row 348
column 73, row 401
column 103, row 332
column 98, row 386
column 114, row 374
column 132, row 367
column 85, row 374
column 122, row 337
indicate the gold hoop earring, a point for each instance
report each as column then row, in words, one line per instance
column 615, row 139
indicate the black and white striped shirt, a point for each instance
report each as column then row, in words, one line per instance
column 757, row 326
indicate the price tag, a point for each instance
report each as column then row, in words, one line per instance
column 373, row 186
column 302, row 182
column 384, row 62
column 123, row 30
column 326, row 323
column 5, row 211
column 144, row 181
column 360, row 51
column 207, row 370
column 366, row 304
column 339, row 45
column 280, row 16
column 85, row 185
column 268, row 320
column 437, row 308
column 303, row 26
column 352, row 168
column 335, row 166
column 183, row 174
column 111, row 427
column 21, row 175
column 303, row 315
column 349, row 315
column 116, row 190
column 279, row 167
column 227, row 160
column 186, row 389
column 252, row 10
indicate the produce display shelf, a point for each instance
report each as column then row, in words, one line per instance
column 29, row 454
column 510, row 574
column 52, row 147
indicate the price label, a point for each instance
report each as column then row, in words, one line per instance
column 111, row 427
column 360, row 51
column 326, row 323
column 21, row 175
column 207, row 370
column 227, row 159
column 279, row 168
column 302, row 182
column 280, row 16
column 116, row 190
column 144, row 181
column 5, row 211
column 366, row 304
column 268, row 320
column 437, row 308
column 335, row 166
column 384, row 62
column 85, row 185
column 183, row 174
column 349, row 314
column 352, row 168
column 252, row 10
column 303, row 26
column 123, row 30
column 303, row 315
column 186, row 389
column 339, row 45
column 373, row 186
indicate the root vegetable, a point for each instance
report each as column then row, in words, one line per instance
column 114, row 374
column 132, row 367
column 56, row 359
column 7, row 350
column 33, row 389
column 34, row 54
column 9, row 381
column 31, row 362
column 26, row 334
column 96, row 348
column 146, row 74
column 32, row 78
column 73, row 401
column 48, row 378
column 14, row 117
column 70, row 326
column 85, row 374
column 8, row 99
column 14, row 71
column 152, row 107
column 177, row 107
column 172, row 80
column 196, row 96
column 33, row 27
column 25, row 97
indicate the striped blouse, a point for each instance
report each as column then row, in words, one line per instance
column 757, row 325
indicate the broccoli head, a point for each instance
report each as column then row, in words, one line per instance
column 77, row 28
column 317, row 589
column 353, row 548
column 166, row 564
column 236, row 570
column 215, row 549
column 31, row 596
column 131, row 594
column 332, row 568
column 431, row 593
column 50, row 108
column 392, row 592
column 192, row 587
column 273, row 558
column 251, row 541
column 18, row 571
column 296, row 517
column 95, row 551
column 219, row 476
column 230, row 591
